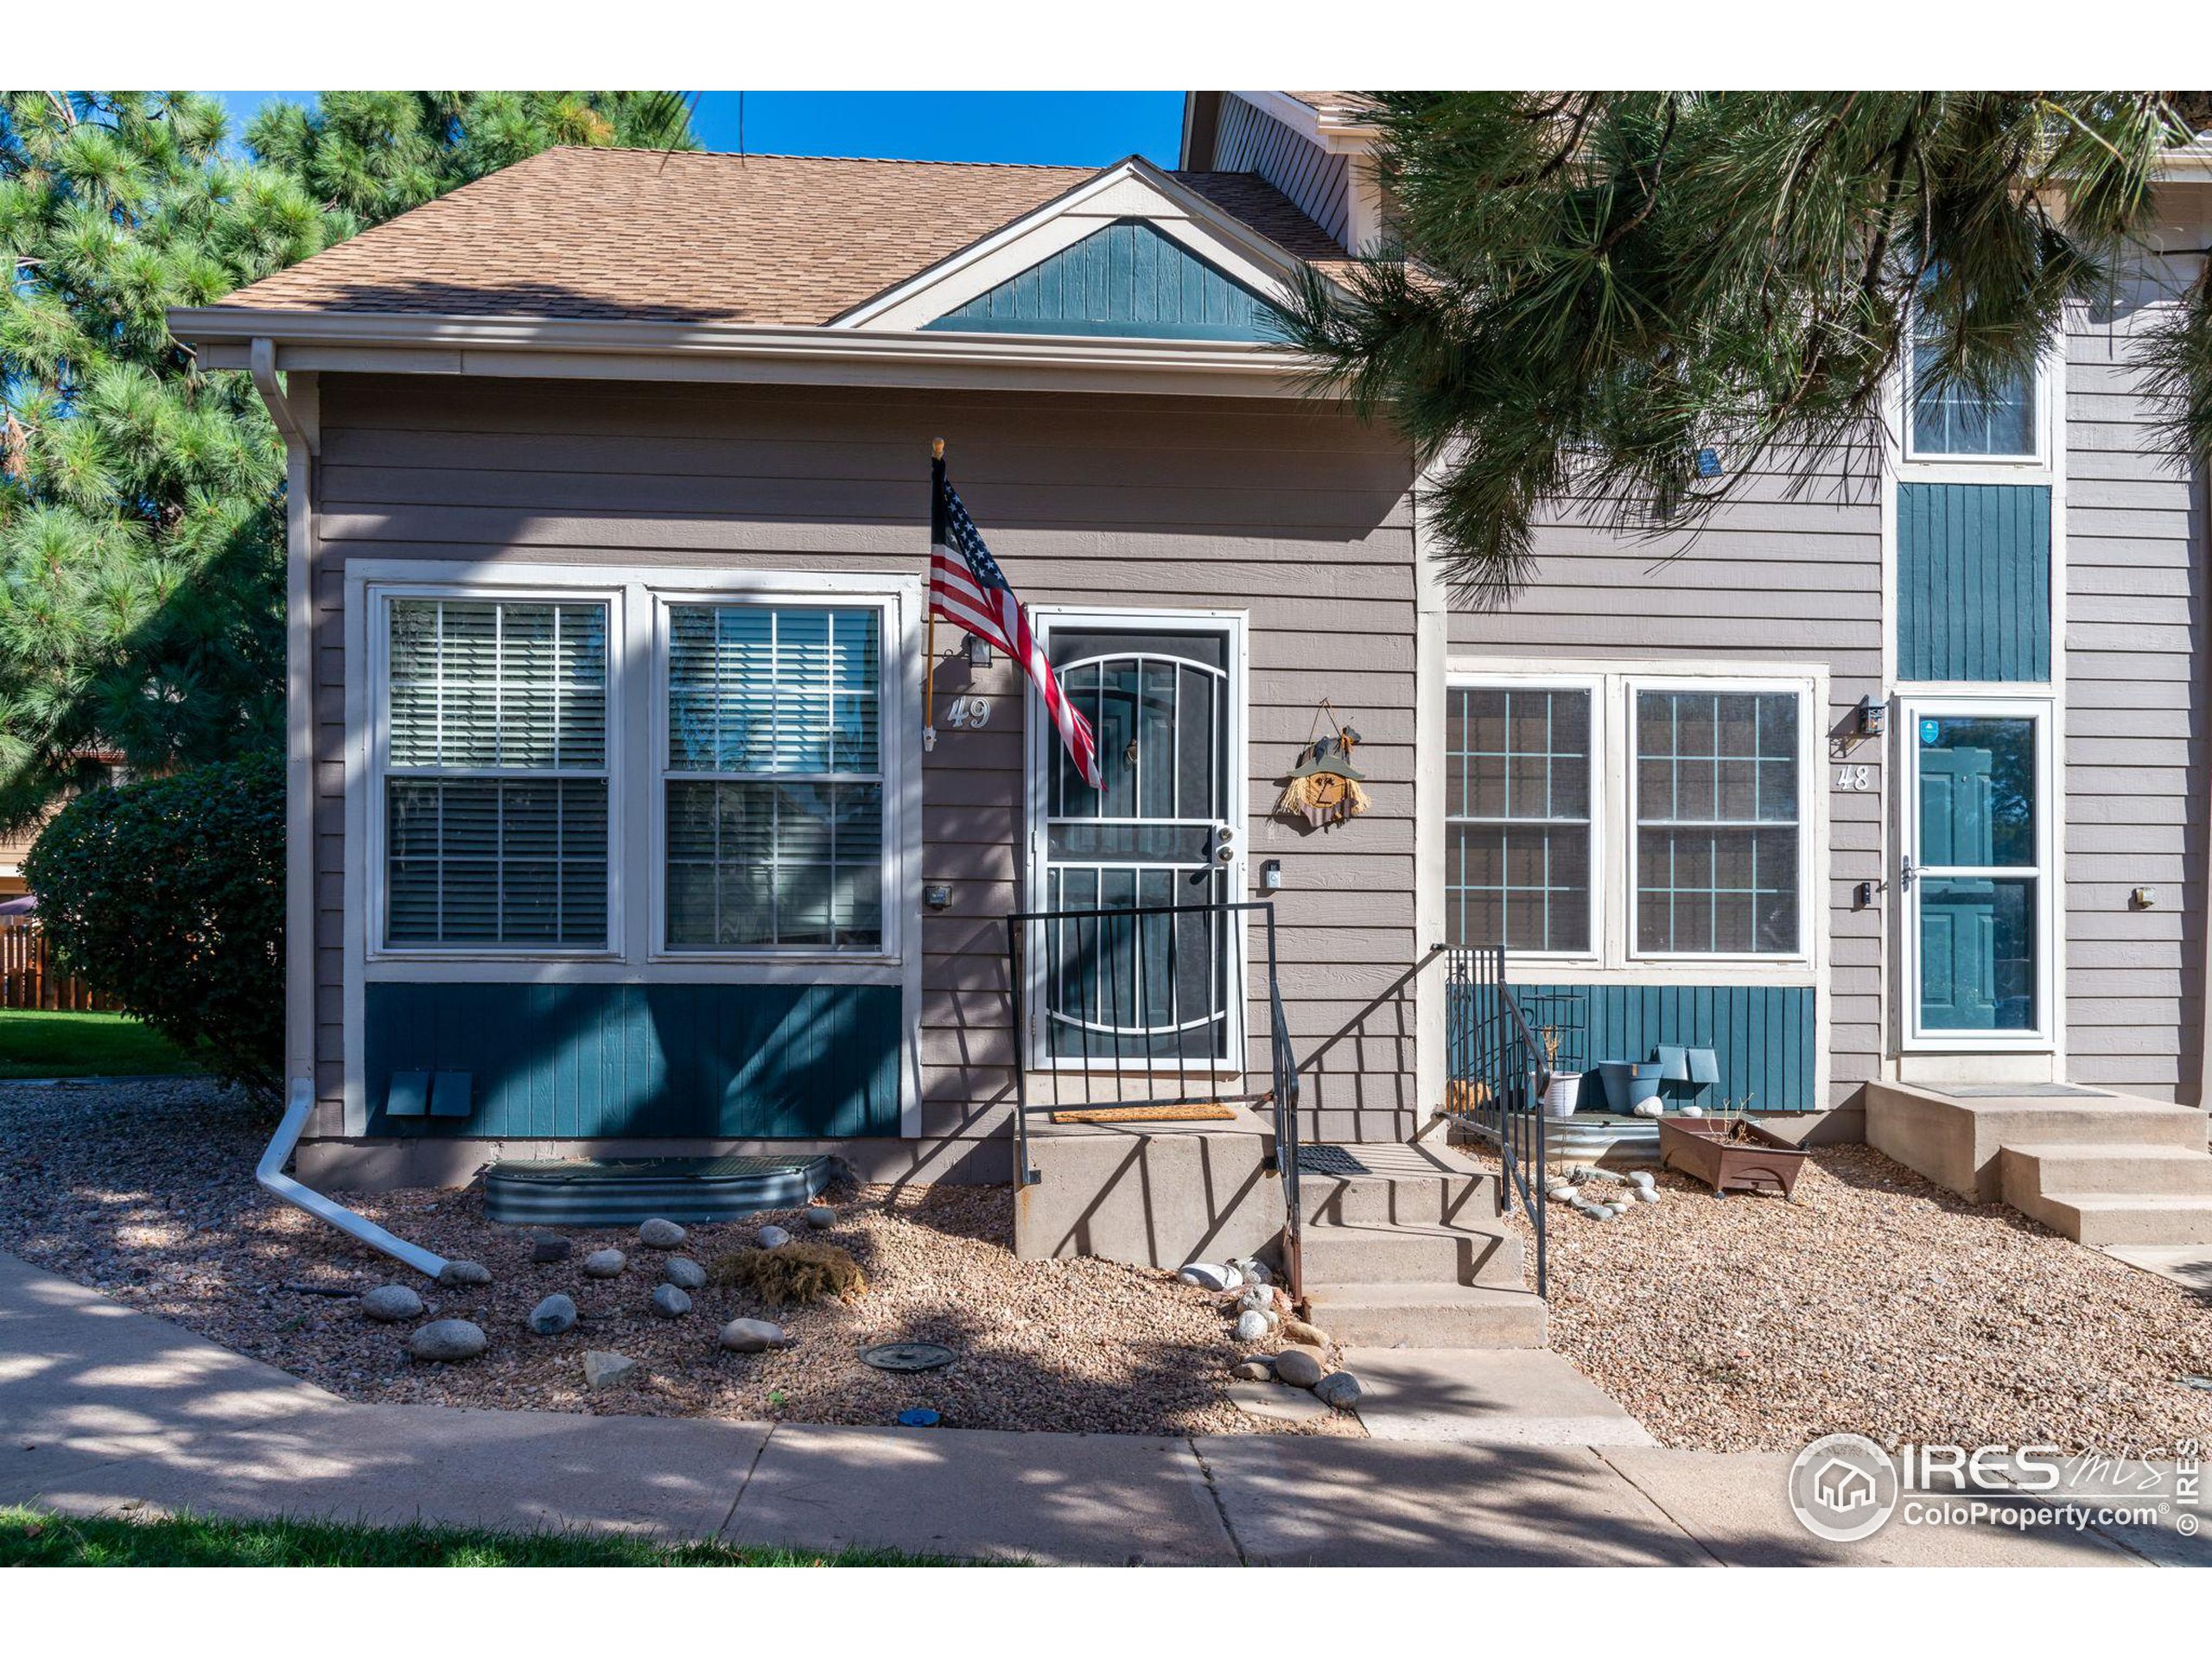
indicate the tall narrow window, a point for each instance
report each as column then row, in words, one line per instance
column 774, row 804
column 1717, row 823
column 1517, row 788
column 495, row 773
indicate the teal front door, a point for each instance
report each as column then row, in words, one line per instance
column 1974, row 871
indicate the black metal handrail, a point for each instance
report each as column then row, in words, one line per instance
column 1129, row 938
column 1498, row 1075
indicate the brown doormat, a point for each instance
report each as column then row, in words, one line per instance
column 1204, row 1111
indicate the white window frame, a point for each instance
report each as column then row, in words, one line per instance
column 891, row 735
column 1940, row 466
column 1912, row 708
column 381, row 599
column 1600, row 723
column 1612, row 745
column 1810, row 729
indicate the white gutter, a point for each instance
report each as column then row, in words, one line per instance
column 263, row 359
column 270, row 1172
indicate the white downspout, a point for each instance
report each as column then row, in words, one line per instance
column 270, row 1172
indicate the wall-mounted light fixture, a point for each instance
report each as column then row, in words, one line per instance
column 938, row 895
column 1873, row 716
column 979, row 651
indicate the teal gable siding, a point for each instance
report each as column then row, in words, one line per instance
column 768, row 1062
column 1973, row 582
column 1126, row 279
column 1765, row 1037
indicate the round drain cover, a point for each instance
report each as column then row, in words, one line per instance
column 908, row 1356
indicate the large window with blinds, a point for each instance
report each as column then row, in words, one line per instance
column 1718, row 852
column 495, row 774
column 772, row 777
column 1517, row 851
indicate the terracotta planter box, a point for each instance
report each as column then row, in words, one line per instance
column 1764, row 1163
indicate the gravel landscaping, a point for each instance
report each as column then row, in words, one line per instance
column 144, row 1190
column 1876, row 1302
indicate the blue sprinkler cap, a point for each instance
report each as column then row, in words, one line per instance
column 918, row 1417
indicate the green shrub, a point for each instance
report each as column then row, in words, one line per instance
column 169, row 894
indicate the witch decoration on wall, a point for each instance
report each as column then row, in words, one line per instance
column 1323, row 789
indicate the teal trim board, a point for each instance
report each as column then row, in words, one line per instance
column 1765, row 1038
column 1973, row 582
column 1128, row 280
column 556, row 1062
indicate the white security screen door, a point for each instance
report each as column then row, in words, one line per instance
column 1976, row 872
column 1166, row 830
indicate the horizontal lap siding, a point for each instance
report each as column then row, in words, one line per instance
column 2136, row 781
column 1281, row 509
column 1786, row 571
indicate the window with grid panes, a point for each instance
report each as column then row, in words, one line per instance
column 495, row 773
column 1717, row 823
column 773, row 832
column 1517, row 868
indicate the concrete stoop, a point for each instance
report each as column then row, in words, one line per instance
column 1403, row 1248
column 2099, row 1168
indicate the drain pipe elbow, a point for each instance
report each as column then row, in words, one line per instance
column 270, row 1172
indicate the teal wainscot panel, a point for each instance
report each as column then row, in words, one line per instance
column 555, row 1062
column 1765, row 1037
column 1973, row 582
column 1126, row 279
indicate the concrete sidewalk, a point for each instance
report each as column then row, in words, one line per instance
column 100, row 1407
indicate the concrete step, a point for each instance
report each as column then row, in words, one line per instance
column 1496, row 1396
column 2108, row 1218
column 1428, row 1316
column 1416, row 1200
column 2134, row 1171
column 1378, row 1253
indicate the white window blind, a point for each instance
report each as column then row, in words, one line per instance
column 774, row 781
column 495, row 773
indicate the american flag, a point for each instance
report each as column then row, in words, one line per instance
column 968, row 589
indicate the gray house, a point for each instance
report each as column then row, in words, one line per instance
column 615, row 834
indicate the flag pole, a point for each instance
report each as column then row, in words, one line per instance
column 929, row 648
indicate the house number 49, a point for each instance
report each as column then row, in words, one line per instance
column 1854, row 779
column 973, row 713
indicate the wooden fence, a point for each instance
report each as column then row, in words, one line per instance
column 29, row 978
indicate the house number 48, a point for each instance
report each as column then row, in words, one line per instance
column 1854, row 779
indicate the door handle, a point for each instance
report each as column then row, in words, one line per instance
column 1905, row 872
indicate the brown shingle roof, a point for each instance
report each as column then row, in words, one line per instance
column 693, row 237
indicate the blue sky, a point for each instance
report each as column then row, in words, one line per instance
column 1072, row 128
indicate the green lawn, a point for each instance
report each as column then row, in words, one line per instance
column 34, row 1044
column 31, row 1538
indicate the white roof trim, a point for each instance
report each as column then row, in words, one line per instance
column 1333, row 129
column 1129, row 189
column 630, row 349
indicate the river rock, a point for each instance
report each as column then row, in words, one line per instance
column 550, row 1247
column 1277, row 1402
column 1311, row 1335
column 1338, row 1389
column 455, row 1275
column 684, row 1273
column 1251, row 1370
column 554, row 1315
column 1251, row 1269
column 1299, row 1367
column 448, row 1339
column 389, row 1304
column 605, row 1264
column 1251, row 1325
column 660, row 1234
column 669, row 1302
column 603, row 1369
column 1647, row 1195
column 773, row 1237
column 819, row 1216
column 753, row 1335
column 1208, row 1276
